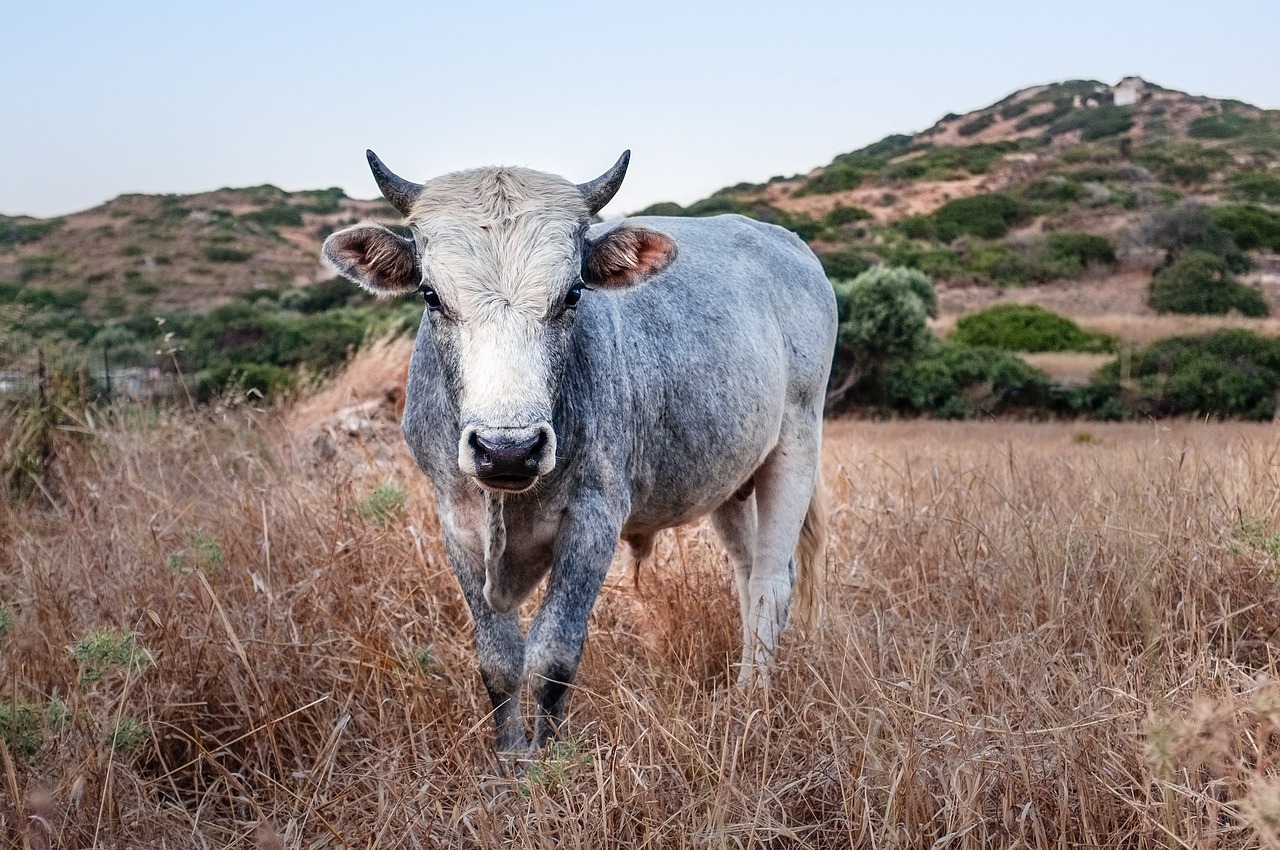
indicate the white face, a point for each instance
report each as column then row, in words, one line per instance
column 502, row 288
column 498, row 254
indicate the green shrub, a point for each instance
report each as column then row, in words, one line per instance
column 1087, row 249
column 275, row 215
column 958, row 381
column 38, row 297
column 846, row 215
column 1013, row 110
column 944, row 163
column 1053, row 188
column 663, row 208
column 1190, row 227
column 883, row 315
column 1094, row 123
column 841, row 175
column 1250, row 227
column 1230, row 373
column 976, row 125
column 1186, row 163
column 1227, row 125
column 260, row 379
column 917, row 227
column 1041, row 119
column 139, row 285
column 20, row 230
column 894, row 145
column 23, row 724
column 1016, row 327
column 1258, row 186
column 384, row 504
column 225, row 254
column 1017, row 265
column 323, row 295
column 107, row 649
column 1200, row 282
column 844, row 265
column 987, row 216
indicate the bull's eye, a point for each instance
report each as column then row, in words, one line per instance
column 429, row 296
column 573, row 296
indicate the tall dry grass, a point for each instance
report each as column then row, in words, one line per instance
column 1036, row 636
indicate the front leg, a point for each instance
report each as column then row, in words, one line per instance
column 499, row 650
column 584, row 550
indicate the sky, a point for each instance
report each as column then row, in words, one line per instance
column 101, row 99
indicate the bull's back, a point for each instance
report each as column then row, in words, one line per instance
column 735, row 336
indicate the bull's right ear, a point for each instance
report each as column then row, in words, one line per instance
column 382, row 262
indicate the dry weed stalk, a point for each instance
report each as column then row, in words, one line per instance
column 1036, row 636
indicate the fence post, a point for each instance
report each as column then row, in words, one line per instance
column 106, row 369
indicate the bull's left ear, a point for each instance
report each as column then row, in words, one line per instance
column 382, row 262
column 626, row 256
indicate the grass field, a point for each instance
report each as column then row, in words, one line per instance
column 215, row 633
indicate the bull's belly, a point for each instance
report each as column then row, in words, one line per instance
column 676, row 493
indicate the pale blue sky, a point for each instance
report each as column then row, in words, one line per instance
column 100, row 99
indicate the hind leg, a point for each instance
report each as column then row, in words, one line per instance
column 735, row 523
column 784, row 489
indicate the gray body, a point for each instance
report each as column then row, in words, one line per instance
column 574, row 386
column 699, row 392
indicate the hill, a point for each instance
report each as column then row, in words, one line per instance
column 1068, row 196
column 1077, row 156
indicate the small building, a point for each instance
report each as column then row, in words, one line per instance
column 1128, row 91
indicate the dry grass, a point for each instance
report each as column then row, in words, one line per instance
column 1144, row 330
column 1037, row 636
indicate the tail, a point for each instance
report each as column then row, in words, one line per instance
column 811, row 559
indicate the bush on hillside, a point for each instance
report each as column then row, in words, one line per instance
column 986, row 216
column 976, row 125
column 1086, row 249
column 1022, row 264
column 663, row 208
column 1227, row 125
column 20, row 230
column 843, row 265
column 846, row 215
column 1187, row 163
column 1053, row 188
column 1251, row 227
column 1190, row 227
column 944, row 163
column 1095, row 123
column 1017, row 327
column 1257, row 186
column 1202, row 283
column 841, row 175
column 1229, row 373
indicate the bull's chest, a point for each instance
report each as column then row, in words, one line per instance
column 509, row 543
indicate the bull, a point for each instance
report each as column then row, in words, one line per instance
column 574, row 385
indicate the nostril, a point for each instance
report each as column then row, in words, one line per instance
column 481, row 449
column 534, row 458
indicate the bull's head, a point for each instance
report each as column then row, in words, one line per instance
column 501, row 256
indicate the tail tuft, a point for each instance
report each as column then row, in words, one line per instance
column 811, row 560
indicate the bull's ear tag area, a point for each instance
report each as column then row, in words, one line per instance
column 381, row 261
column 626, row 256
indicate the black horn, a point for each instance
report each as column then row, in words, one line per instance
column 601, row 190
column 400, row 192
